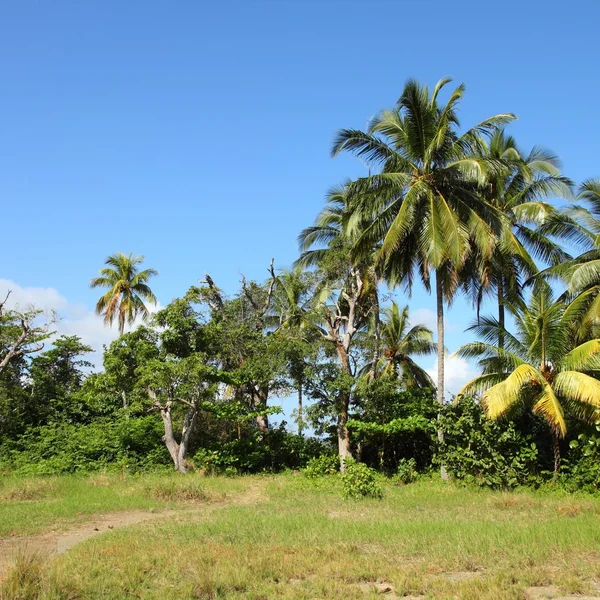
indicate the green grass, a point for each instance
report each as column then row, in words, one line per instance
column 291, row 538
column 33, row 505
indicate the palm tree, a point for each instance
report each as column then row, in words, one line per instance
column 400, row 342
column 582, row 274
column 517, row 191
column 541, row 366
column 425, row 203
column 127, row 289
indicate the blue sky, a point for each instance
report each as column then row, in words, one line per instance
column 198, row 134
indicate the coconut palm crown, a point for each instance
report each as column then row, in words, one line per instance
column 540, row 365
column 400, row 342
column 127, row 290
column 424, row 205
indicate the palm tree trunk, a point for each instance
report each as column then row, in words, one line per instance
column 300, row 415
column 556, row 447
column 501, row 312
column 439, row 293
column 373, row 370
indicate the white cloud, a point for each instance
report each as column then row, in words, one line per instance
column 74, row 319
column 457, row 372
column 423, row 316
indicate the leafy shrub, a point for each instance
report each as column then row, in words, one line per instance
column 360, row 481
column 479, row 451
column 131, row 444
column 581, row 468
column 321, row 466
column 407, row 471
column 273, row 451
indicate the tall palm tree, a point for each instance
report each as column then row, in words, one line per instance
column 541, row 366
column 400, row 342
column 518, row 191
column 425, row 202
column 127, row 289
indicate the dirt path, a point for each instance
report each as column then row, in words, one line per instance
column 53, row 543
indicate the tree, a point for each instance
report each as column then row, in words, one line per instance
column 582, row 274
column 400, row 341
column 20, row 334
column 518, row 191
column 540, row 366
column 175, row 369
column 291, row 309
column 243, row 327
column 343, row 300
column 55, row 378
column 425, row 203
column 127, row 289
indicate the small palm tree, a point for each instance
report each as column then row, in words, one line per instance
column 400, row 342
column 540, row 366
column 127, row 289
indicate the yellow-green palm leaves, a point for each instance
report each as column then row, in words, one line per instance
column 127, row 289
column 540, row 366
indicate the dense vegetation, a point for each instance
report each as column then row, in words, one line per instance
column 459, row 211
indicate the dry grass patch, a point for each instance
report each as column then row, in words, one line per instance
column 22, row 490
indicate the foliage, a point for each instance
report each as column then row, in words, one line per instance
column 581, row 468
column 407, row 471
column 274, row 451
column 360, row 481
column 127, row 444
column 127, row 289
column 543, row 365
column 320, row 466
column 487, row 453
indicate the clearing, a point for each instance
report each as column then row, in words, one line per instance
column 161, row 537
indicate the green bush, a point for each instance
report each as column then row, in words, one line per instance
column 483, row 452
column 360, row 481
column 407, row 471
column 321, row 465
column 273, row 451
column 131, row 444
column 580, row 470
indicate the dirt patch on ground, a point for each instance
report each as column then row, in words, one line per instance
column 57, row 542
column 53, row 543
column 552, row 592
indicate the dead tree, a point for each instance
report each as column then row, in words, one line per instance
column 23, row 336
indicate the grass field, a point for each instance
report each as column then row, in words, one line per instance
column 288, row 537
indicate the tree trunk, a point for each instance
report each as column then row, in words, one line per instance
column 124, row 396
column 556, row 447
column 300, row 413
column 259, row 400
column 439, row 293
column 344, row 398
column 501, row 312
column 373, row 370
column 177, row 451
column 343, row 433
